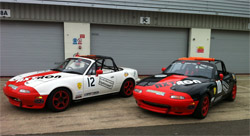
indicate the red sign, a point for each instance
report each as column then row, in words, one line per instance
column 82, row 35
column 200, row 49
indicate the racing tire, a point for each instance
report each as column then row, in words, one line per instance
column 231, row 97
column 202, row 108
column 127, row 88
column 59, row 100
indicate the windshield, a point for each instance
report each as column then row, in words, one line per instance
column 74, row 65
column 195, row 69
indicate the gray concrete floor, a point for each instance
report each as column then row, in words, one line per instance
column 111, row 112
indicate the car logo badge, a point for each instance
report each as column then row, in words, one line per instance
column 79, row 85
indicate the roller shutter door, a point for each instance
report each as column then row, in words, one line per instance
column 233, row 48
column 146, row 49
column 30, row 46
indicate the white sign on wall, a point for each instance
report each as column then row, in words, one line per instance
column 145, row 20
column 4, row 12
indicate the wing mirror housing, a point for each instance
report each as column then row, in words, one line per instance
column 221, row 76
column 98, row 72
column 163, row 69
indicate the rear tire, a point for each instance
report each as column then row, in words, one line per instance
column 231, row 97
column 202, row 108
column 59, row 100
column 127, row 88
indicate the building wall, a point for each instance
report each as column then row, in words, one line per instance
column 199, row 42
column 56, row 13
column 76, row 39
column 234, row 8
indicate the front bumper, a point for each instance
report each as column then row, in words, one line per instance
column 165, row 105
column 32, row 100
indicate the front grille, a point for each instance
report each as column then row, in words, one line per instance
column 156, row 104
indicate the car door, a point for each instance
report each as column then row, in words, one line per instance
column 108, row 79
column 223, row 85
column 99, row 84
column 227, row 80
column 90, row 81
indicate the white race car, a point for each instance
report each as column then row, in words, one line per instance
column 77, row 78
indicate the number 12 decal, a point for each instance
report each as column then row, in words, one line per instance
column 91, row 82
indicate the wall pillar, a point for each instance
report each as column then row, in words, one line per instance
column 76, row 39
column 199, row 42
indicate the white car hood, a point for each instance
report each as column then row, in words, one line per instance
column 35, row 78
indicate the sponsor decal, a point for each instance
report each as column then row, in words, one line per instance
column 234, row 77
column 106, row 82
column 91, row 93
column 126, row 74
column 39, row 77
column 218, row 98
column 79, row 85
column 212, row 99
column 219, row 86
column 184, row 82
column 78, row 96
column 156, row 92
column 225, row 86
column 215, row 90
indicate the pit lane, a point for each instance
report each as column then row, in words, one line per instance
column 111, row 112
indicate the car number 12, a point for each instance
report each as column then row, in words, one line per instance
column 91, row 81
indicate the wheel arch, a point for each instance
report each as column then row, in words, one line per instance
column 129, row 78
column 62, row 87
column 208, row 92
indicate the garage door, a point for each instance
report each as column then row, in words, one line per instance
column 233, row 48
column 30, row 46
column 143, row 48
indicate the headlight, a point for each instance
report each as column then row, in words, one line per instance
column 13, row 86
column 156, row 92
column 177, row 97
column 138, row 90
column 24, row 91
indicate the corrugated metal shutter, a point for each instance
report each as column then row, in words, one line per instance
column 233, row 48
column 30, row 46
column 143, row 48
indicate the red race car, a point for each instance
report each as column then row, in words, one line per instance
column 187, row 86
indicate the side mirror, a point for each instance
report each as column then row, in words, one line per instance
column 98, row 72
column 163, row 69
column 221, row 76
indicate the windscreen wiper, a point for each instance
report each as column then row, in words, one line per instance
column 74, row 72
column 174, row 73
column 55, row 69
column 197, row 76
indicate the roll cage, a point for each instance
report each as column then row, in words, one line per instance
column 100, row 62
column 212, row 61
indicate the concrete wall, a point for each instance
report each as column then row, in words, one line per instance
column 199, row 42
column 76, row 39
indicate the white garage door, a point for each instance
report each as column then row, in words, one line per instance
column 30, row 46
column 143, row 48
column 233, row 48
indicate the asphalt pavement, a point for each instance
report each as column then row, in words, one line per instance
column 234, row 128
column 114, row 115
